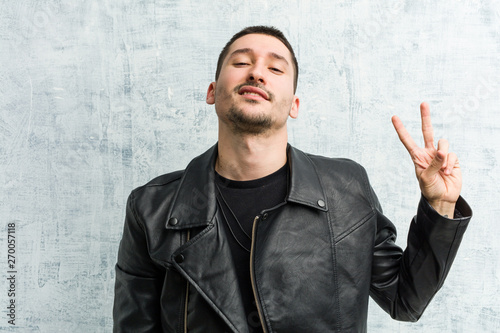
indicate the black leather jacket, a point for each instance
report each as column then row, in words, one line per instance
column 314, row 260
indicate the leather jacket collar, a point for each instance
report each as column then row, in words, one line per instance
column 194, row 203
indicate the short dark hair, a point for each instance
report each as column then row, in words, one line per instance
column 264, row 30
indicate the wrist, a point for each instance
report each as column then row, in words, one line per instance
column 444, row 208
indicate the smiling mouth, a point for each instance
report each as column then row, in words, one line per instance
column 253, row 92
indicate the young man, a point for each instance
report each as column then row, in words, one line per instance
column 255, row 235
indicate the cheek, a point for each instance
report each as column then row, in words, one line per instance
column 223, row 85
column 284, row 88
column 287, row 98
column 220, row 88
column 283, row 109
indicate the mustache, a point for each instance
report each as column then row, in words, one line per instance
column 253, row 84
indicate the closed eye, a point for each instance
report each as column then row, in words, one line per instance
column 274, row 69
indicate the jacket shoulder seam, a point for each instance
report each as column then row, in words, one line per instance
column 160, row 180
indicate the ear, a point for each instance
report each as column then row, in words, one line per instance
column 211, row 94
column 294, row 112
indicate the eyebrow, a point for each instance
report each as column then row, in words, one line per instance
column 249, row 50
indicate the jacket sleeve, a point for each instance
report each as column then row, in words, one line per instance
column 403, row 283
column 138, row 281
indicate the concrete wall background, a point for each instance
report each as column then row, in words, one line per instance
column 98, row 97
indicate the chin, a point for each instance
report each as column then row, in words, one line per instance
column 248, row 122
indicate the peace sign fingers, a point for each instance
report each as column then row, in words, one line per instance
column 437, row 170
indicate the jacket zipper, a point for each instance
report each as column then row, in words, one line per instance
column 252, row 276
column 184, row 330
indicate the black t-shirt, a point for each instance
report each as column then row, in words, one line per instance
column 240, row 202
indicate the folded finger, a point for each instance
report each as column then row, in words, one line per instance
column 451, row 163
column 443, row 146
column 434, row 167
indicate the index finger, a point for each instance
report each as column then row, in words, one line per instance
column 403, row 134
column 427, row 130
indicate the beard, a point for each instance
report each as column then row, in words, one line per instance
column 244, row 124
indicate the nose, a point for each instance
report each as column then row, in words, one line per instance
column 256, row 74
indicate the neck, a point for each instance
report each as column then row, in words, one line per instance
column 249, row 157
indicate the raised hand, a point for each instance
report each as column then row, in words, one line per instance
column 438, row 171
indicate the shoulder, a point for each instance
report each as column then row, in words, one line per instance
column 160, row 187
column 338, row 161
column 337, row 166
column 344, row 180
column 342, row 177
column 164, row 180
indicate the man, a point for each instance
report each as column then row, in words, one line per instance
column 255, row 235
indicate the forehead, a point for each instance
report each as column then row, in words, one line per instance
column 261, row 44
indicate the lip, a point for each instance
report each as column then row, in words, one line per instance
column 250, row 89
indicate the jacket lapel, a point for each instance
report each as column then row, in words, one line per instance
column 205, row 260
column 207, row 264
column 305, row 185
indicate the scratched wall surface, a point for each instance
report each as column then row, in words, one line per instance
column 98, row 97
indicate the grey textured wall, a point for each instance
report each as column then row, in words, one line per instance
column 98, row 97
